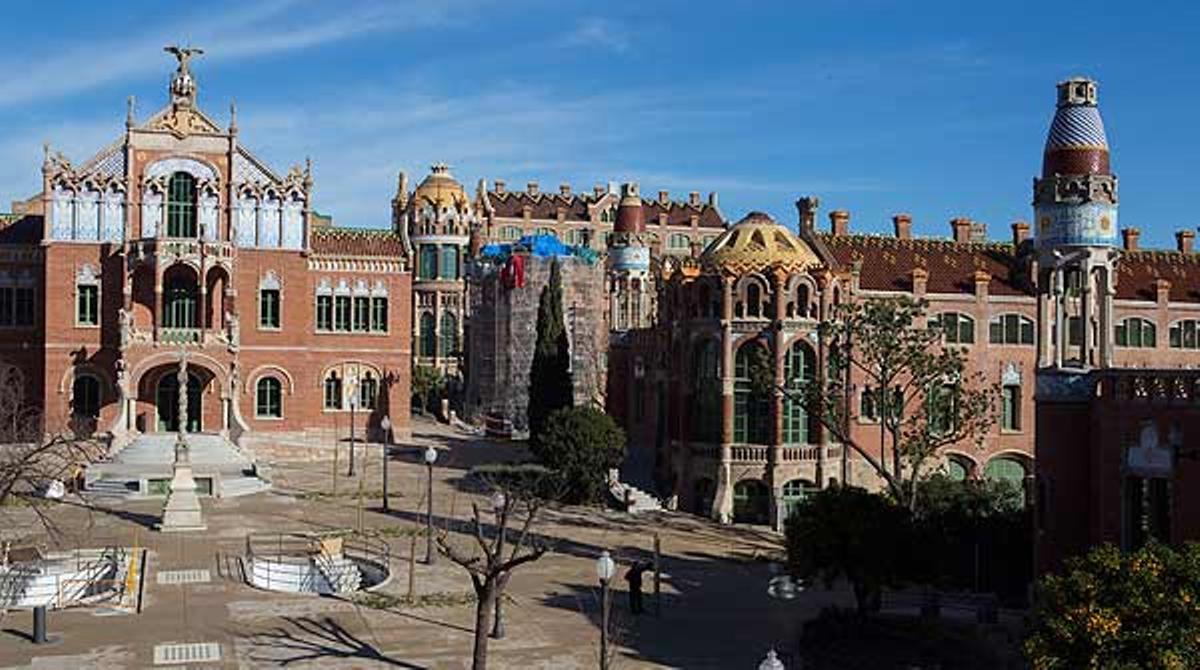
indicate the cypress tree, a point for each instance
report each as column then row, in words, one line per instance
column 550, row 385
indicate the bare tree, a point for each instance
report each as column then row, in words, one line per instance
column 34, row 452
column 520, row 491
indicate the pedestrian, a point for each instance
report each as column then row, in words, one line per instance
column 634, row 577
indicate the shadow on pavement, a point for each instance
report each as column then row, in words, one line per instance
column 310, row 639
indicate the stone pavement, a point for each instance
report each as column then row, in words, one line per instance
column 715, row 610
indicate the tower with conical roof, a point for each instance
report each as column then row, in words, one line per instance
column 630, row 294
column 1075, row 207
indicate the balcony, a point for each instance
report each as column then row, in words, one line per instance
column 179, row 336
column 167, row 251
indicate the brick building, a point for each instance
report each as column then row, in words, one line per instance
column 175, row 247
column 1073, row 299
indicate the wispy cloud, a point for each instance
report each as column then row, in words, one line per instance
column 597, row 32
column 254, row 30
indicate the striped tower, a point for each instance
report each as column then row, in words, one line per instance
column 629, row 265
column 1075, row 207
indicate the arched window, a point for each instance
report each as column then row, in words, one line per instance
column 1183, row 334
column 368, row 391
column 794, row 493
column 180, row 298
column 269, row 399
column 706, row 392
column 449, row 338
column 751, row 394
column 798, row 368
column 1136, row 332
column 449, row 268
column 85, row 397
column 333, row 391
column 181, row 205
column 428, row 335
column 751, row 502
column 427, row 268
column 753, row 300
column 957, row 468
column 1010, row 329
column 1008, row 470
column 956, row 328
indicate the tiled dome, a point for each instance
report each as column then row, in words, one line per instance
column 1076, row 143
column 441, row 190
column 757, row 243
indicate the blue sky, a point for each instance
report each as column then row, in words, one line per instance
column 938, row 109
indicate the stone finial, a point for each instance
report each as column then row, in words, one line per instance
column 130, row 112
column 664, row 197
column 920, row 276
column 531, row 188
column 499, row 187
column 694, row 198
column 564, row 190
column 1162, row 290
column 233, row 127
column 982, row 279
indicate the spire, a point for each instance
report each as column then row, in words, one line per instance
column 233, row 128
column 183, row 86
column 130, row 112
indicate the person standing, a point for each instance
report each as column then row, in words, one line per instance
column 634, row 577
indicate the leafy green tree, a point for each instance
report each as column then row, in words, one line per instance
column 1117, row 610
column 549, row 374
column 580, row 444
column 427, row 384
column 846, row 531
column 924, row 396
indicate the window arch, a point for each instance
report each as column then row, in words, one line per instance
column 1010, row 329
column 428, row 335
column 706, row 391
column 449, row 336
column 1008, row 470
column 181, row 205
column 368, row 391
column 85, row 397
column 333, row 391
column 958, row 468
column 753, row 300
column 1183, row 334
column 268, row 398
column 1136, row 332
column 751, row 394
column 956, row 328
column 794, row 493
column 798, row 367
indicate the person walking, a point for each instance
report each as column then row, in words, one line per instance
column 634, row 577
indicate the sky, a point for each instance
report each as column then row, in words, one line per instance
column 937, row 109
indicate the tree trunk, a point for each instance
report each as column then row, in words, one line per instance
column 485, row 602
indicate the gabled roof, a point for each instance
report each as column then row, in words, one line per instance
column 20, row 228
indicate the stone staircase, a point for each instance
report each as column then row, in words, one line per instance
column 127, row 472
column 341, row 573
column 630, row 497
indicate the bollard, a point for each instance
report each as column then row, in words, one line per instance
column 39, row 624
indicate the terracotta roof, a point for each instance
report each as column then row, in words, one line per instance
column 1137, row 272
column 542, row 206
column 680, row 214
column 20, row 228
column 888, row 262
column 356, row 242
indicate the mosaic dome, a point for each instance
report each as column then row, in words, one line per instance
column 757, row 243
column 1076, row 143
column 441, row 189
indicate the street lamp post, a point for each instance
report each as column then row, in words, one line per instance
column 499, row 502
column 385, row 424
column 605, row 569
column 771, row 662
column 353, row 405
column 430, row 458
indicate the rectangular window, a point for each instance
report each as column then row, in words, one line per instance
column 1074, row 331
column 362, row 314
column 268, row 308
column 427, row 263
column 87, row 307
column 324, row 313
column 333, row 393
column 8, row 302
column 341, row 313
column 867, row 407
column 449, row 266
column 1010, row 417
column 379, row 315
column 24, row 313
column 957, row 328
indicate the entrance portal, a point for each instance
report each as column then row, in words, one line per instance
column 167, row 403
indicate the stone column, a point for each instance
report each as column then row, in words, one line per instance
column 1060, row 316
column 181, row 378
column 1086, row 310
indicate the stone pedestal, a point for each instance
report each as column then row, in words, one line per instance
column 182, row 512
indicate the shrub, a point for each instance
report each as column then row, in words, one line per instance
column 580, row 444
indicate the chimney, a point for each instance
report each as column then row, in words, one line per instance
column 1130, row 237
column 499, row 187
column 1020, row 232
column 1162, row 291
column 903, row 225
column 982, row 279
column 712, row 199
column 664, row 197
column 694, row 198
column 960, row 228
column 807, row 206
column 839, row 223
column 564, row 190
column 919, row 277
column 531, row 188
column 1184, row 240
column 599, row 190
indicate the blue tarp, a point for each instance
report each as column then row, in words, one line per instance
column 543, row 246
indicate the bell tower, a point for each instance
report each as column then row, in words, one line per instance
column 1075, row 209
column 629, row 265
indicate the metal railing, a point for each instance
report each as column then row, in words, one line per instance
column 306, row 562
column 179, row 335
column 62, row 580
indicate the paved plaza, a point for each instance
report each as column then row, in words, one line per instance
column 715, row 610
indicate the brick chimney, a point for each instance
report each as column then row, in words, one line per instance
column 599, row 190
column 960, row 229
column 712, row 199
column 807, row 207
column 1130, row 238
column 903, row 226
column 564, row 190
column 499, row 187
column 1020, row 232
column 839, row 223
column 664, row 197
column 1184, row 240
column 531, row 188
column 694, row 198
